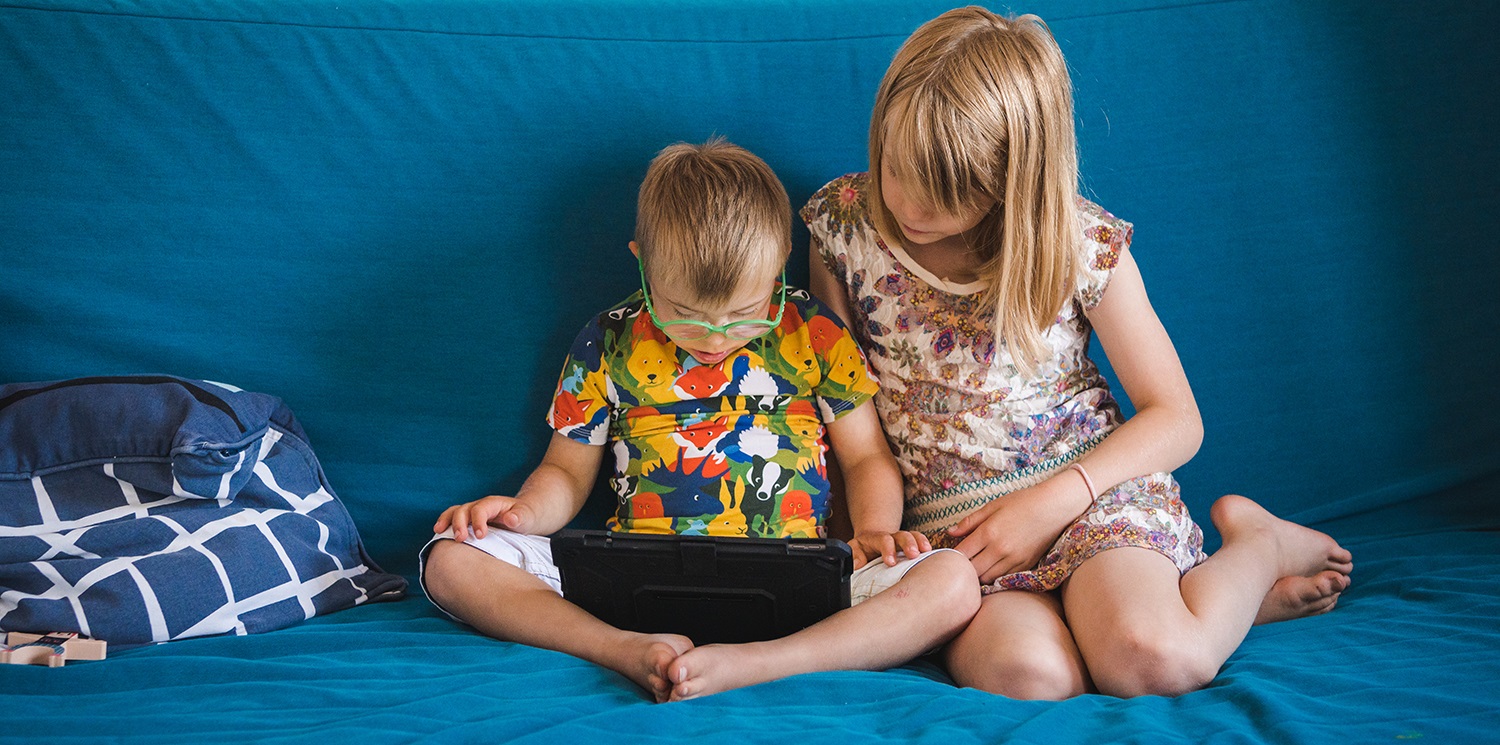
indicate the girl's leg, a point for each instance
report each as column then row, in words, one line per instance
column 926, row 608
column 506, row 602
column 1143, row 629
column 1019, row 646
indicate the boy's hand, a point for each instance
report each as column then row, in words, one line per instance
column 869, row 546
column 507, row 513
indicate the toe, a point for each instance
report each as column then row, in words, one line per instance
column 1332, row 583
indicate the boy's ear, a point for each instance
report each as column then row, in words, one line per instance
column 635, row 249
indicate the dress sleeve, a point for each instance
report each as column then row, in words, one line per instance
column 580, row 406
column 831, row 216
column 1105, row 238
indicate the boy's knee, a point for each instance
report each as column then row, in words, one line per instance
column 444, row 569
column 1152, row 662
column 952, row 579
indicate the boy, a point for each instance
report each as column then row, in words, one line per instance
column 713, row 387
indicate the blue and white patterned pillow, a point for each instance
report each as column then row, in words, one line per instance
column 149, row 508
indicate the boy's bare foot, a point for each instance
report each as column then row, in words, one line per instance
column 644, row 659
column 719, row 667
column 1314, row 567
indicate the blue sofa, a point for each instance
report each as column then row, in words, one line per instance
column 396, row 215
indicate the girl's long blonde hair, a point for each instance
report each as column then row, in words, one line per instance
column 977, row 108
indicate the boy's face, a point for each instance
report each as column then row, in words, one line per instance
column 752, row 300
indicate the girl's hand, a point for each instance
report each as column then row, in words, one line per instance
column 507, row 513
column 869, row 546
column 1012, row 533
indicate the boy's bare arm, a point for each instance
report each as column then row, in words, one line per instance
column 551, row 496
column 872, row 488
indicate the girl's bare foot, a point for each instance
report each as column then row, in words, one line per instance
column 644, row 659
column 1296, row 597
column 1314, row 567
column 719, row 667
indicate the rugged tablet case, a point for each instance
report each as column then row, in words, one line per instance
column 709, row 589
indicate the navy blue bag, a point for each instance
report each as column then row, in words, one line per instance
column 149, row 508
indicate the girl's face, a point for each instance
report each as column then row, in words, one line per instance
column 921, row 225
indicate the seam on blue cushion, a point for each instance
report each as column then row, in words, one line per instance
column 555, row 37
column 49, row 470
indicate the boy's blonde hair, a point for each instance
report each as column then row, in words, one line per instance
column 710, row 216
column 977, row 108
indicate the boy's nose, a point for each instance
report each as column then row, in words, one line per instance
column 716, row 342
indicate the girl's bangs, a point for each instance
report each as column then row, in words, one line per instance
column 937, row 159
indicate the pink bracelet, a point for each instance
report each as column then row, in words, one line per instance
column 1093, row 495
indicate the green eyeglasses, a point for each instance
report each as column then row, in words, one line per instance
column 686, row 330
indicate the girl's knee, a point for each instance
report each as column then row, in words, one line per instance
column 1020, row 666
column 1152, row 662
column 1034, row 676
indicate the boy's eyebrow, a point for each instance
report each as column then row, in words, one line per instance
column 690, row 309
column 747, row 309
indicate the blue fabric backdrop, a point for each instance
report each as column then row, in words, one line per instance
column 395, row 215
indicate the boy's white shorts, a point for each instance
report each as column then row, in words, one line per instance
column 533, row 553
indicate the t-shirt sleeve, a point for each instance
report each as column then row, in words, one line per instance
column 1105, row 239
column 847, row 380
column 580, row 406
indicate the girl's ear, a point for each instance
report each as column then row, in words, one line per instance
column 635, row 249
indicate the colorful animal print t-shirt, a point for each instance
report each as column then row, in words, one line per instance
column 734, row 448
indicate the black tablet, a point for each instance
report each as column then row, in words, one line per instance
column 709, row 589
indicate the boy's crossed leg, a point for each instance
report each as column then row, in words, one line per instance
column 506, row 602
column 931, row 603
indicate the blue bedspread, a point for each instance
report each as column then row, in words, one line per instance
column 1408, row 655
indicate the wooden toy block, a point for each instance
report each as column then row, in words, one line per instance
column 49, row 649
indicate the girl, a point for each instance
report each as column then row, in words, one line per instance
column 973, row 273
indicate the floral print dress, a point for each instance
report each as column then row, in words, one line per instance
column 967, row 424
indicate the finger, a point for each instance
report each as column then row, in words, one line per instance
column 985, row 564
column 999, row 566
column 922, row 542
column 970, row 547
column 483, row 516
column 858, row 552
column 973, row 519
column 518, row 518
column 888, row 549
column 460, row 521
column 492, row 511
column 909, row 545
column 442, row 521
